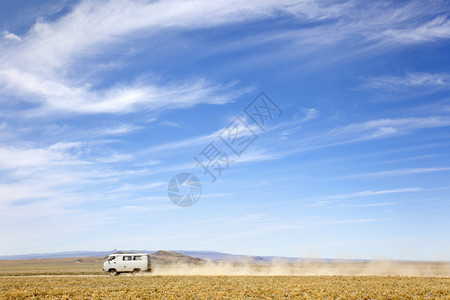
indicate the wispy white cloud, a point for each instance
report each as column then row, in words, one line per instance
column 405, row 23
column 376, row 204
column 311, row 114
column 436, row 29
column 57, row 154
column 11, row 36
column 89, row 29
column 409, row 81
column 352, row 133
column 373, row 193
column 53, row 95
column 410, row 171
column 134, row 187
column 40, row 65
column 50, row 186
column 201, row 140
column 333, row 199
column 388, row 127
column 364, row 28
column 253, row 153
column 365, row 131
column 116, row 130
column 60, row 171
column 170, row 124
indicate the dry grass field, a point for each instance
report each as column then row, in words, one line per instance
column 82, row 278
column 223, row 287
column 60, row 266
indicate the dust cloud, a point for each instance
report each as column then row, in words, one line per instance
column 316, row 268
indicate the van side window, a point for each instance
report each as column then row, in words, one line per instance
column 127, row 258
column 137, row 257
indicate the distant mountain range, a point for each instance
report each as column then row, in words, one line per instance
column 205, row 255
column 58, row 255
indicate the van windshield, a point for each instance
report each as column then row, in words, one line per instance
column 111, row 258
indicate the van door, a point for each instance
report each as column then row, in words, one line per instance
column 139, row 263
column 111, row 263
column 127, row 263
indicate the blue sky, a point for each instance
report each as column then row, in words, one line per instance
column 103, row 102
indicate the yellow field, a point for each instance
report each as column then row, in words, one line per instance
column 82, row 278
column 61, row 266
column 223, row 287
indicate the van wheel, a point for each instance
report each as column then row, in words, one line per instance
column 113, row 272
column 137, row 271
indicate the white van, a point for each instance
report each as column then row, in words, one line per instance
column 121, row 263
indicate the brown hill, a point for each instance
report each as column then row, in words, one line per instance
column 165, row 257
